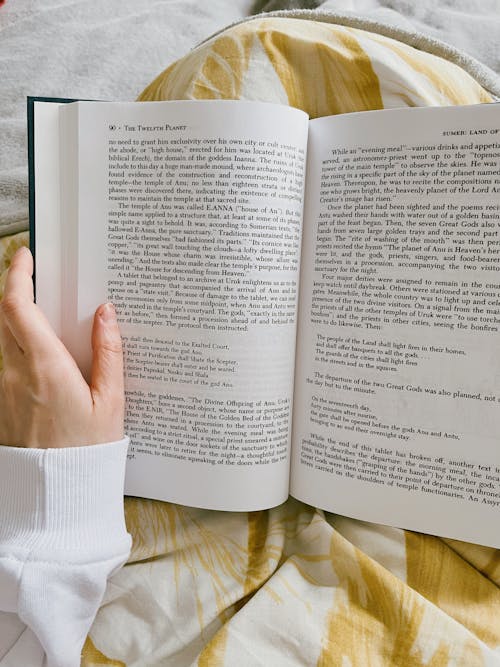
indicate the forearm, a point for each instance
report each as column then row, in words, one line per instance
column 62, row 533
column 62, row 529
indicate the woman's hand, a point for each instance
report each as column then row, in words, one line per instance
column 44, row 400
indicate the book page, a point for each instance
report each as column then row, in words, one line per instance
column 190, row 223
column 47, row 239
column 397, row 411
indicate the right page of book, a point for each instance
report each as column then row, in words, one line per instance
column 397, row 388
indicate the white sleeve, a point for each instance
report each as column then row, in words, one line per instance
column 62, row 534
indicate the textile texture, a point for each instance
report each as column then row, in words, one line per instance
column 456, row 22
column 86, row 50
column 294, row 585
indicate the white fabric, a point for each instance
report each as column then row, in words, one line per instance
column 87, row 50
column 62, row 534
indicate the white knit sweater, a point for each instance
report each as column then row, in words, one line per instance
column 62, row 534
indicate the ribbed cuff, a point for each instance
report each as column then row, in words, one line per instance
column 63, row 503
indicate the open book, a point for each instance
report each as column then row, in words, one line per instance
column 308, row 307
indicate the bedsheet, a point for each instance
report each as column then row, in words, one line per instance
column 86, row 50
column 472, row 26
column 295, row 585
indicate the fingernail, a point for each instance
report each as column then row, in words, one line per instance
column 23, row 249
column 108, row 313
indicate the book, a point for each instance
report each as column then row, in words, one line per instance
column 308, row 307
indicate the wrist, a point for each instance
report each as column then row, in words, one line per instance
column 63, row 502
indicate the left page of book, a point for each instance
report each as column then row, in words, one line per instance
column 187, row 216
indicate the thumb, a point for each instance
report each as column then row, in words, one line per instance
column 107, row 362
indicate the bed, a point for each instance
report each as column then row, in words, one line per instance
column 292, row 585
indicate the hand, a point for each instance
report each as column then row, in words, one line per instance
column 44, row 400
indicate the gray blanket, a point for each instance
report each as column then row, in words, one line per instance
column 86, row 50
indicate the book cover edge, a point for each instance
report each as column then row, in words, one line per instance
column 30, row 108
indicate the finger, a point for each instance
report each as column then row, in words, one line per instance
column 26, row 322
column 107, row 363
column 19, row 278
column 8, row 346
